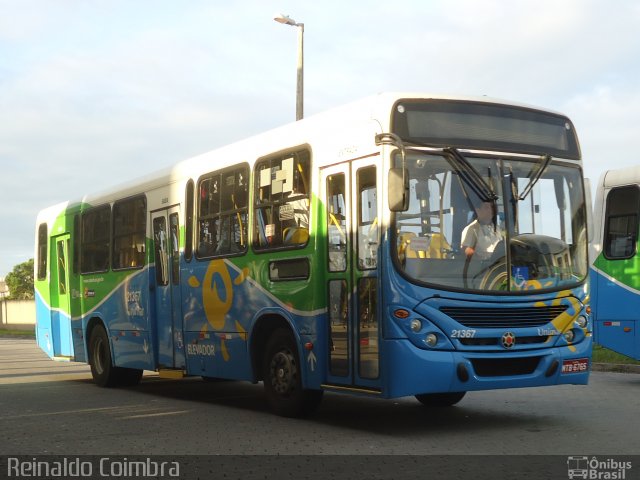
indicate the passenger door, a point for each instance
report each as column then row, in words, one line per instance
column 349, row 192
column 166, row 240
column 60, row 311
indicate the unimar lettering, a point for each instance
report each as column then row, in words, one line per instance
column 547, row 332
column 196, row 349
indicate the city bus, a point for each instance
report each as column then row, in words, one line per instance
column 326, row 255
column 615, row 261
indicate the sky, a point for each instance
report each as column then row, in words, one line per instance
column 94, row 93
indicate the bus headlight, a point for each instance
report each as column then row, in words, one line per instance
column 416, row 325
column 431, row 340
column 582, row 321
column 569, row 335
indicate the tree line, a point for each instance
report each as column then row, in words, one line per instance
column 20, row 281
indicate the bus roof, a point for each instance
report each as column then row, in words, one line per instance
column 621, row 176
column 345, row 130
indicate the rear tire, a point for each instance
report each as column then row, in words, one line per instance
column 104, row 373
column 283, row 378
column 440, row 399
column 102, row 369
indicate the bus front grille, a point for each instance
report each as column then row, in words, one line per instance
column 502, row 367
column 496, row 341
column 521, row 317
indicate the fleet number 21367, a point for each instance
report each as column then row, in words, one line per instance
column 463, row 333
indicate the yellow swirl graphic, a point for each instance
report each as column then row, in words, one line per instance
column 217, row 299
column 216, row 308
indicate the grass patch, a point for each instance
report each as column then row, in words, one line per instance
column 5, row 332
column 604, row 355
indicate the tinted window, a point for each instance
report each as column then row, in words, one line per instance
column 96, row 226
column 282, row 201
column 188, row 246
column 129, row 228
column 621, row 222
column 223, row 199
column 42, row 251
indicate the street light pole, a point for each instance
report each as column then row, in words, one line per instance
column 4, row 291
column 286, row 20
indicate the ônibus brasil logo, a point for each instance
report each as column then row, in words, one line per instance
column 596, row 469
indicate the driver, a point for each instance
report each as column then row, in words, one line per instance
column 481, row 236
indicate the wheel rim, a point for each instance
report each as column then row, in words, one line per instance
column 98, row 356
column 283, row 372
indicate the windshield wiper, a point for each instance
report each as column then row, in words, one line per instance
column 546, row 159
column 470, row 175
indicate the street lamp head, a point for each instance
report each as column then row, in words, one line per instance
column 285, row 19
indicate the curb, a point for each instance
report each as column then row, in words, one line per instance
column 615, row 367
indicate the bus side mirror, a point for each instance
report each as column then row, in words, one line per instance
column 398, row 189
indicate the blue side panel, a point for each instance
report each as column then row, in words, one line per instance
column 79, row 346
column 616, row 315
column 220, row 304
column 53, row 330
column 61, row 334
column 235, row 346
column 132, row 349
column 43, row 326
column 125, row 313
column 202, row 354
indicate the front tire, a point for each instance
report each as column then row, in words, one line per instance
column 283, row 378
column 440, row 399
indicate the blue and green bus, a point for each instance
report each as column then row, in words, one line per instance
column 327, row 255
column 615, row 264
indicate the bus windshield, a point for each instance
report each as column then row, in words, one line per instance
column 529, row 235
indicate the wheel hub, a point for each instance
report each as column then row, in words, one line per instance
column 284, row 371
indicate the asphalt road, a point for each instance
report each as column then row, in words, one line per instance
column 48, row 407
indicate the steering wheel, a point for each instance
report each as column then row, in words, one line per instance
column 492, row 277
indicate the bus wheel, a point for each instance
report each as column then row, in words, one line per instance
column 103, row 372
column 282, row 378
column 440, row 399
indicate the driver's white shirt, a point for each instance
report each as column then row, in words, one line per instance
column 482, row 238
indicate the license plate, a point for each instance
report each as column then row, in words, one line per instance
column 579, row 365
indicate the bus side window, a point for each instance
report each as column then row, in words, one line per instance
column 96, row 240
column 129, row 230
column 336, row 223
column 76, row 244
column 223, row 212
column 188, row 227
column 621, row 222
column 282, row 201
column 367, row 218
column 42, row 251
